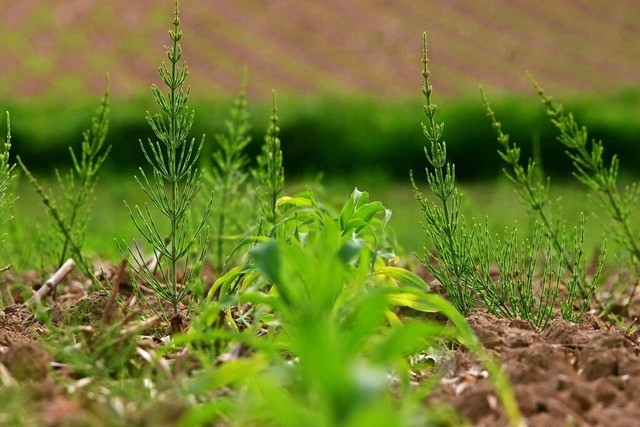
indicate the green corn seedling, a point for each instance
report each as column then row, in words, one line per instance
column 327, row 326
column 172, row 187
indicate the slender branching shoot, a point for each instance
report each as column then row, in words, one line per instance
column 227, row 179
column 534, row 192
column 453, row 266
column 174, row 183
column 270, row 172
column 590, row 169
column 71, row 212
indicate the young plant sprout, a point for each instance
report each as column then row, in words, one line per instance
column 270, row 172
column 71, row 212
column 174, row 182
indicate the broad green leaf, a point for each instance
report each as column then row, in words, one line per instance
column 409, row 338
column 260, row 298
column 232, row 372
column 368, row 315
column 350, row 249
column 349, row 208
column 295, row 201
column 403, row 277
column 369, row 210
column 224, row 280
column 417, row 302
column 266, row 257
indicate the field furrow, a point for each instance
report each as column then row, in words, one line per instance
column 359, row 46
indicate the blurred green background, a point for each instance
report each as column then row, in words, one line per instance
column 348, row 80
column 347, row 75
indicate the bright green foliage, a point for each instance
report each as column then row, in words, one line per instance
column 6, row 176
column 362, row 218
column 270, row 173
column 322, row 329
column 173, row 159
column 71, row 212
column 365, row 222
column 454, row 267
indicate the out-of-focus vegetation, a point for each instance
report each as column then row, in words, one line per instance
column 27, row 241
column 345, row 135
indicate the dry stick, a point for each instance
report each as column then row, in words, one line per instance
column 53, row 281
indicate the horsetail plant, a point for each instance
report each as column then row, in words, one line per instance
column 72, row 211
column 534, row 192
column 6, row 176
column 228, row 175
column 506, row 275
column 270, row 171
column 454, row 267
column 590, row 170
column 172, row 187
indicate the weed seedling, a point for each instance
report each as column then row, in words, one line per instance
column 453, row 267
column 270, row 173
column 323, row 337
column 534, row 193
column 227, row 178
column 590, row 170
column 172, row 187
column 506, row 275
column 71, row 212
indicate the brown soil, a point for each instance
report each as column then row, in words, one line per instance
column 567, row 375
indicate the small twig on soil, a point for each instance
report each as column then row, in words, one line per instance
column 53, row 281
column 5, row 268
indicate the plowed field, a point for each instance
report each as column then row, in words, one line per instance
column 65, row 47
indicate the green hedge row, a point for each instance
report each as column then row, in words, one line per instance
column 344, row 136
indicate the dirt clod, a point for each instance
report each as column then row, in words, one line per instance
column 569, row 374
column 27, row 361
